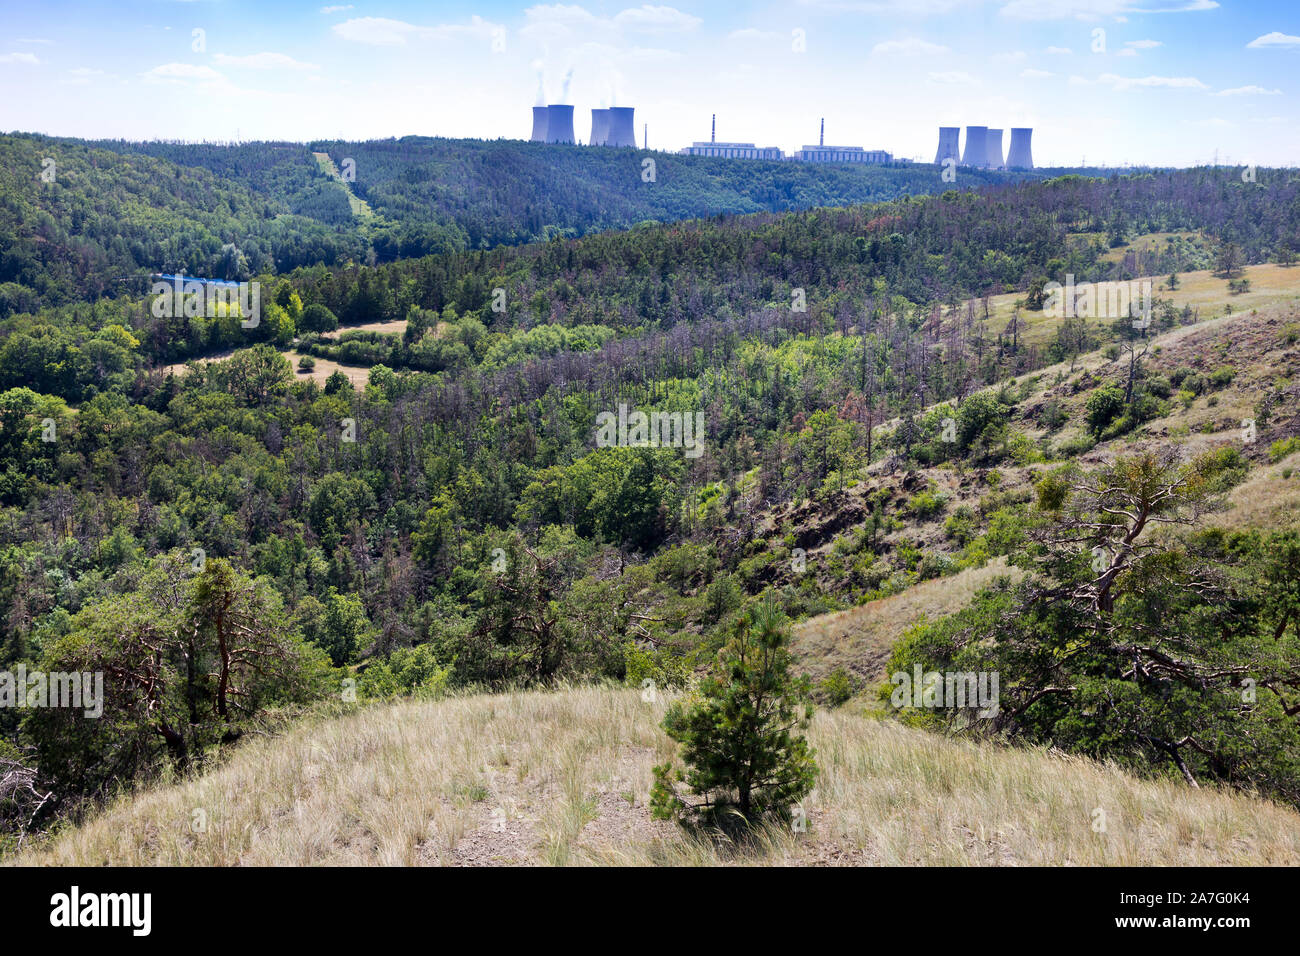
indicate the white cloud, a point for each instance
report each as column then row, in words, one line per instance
column 27, row 58
column 749, row 33
column 909, row 47
column 382, row 31
column 1273, row 39
column 1032, row 74
column 1248, row 91
column 337, row 8
column 1014, row 57
column 1167, row 82
column 656, row 19
column 1143, row 44
column 263, row 61
column 1097, row 9
column 953, row 78
column 377, row 31
column 180, row 72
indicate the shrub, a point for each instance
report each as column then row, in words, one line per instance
column 837, row 687
column 740, row 733
column 1283, row 447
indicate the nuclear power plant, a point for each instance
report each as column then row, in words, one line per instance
column 977, row 149
column 948, row 148
column 599, row 127
column 993, row 140
column 622, row 132
column 539, row 124
column 559, row 124
column 1019, row 155
column 984, row 148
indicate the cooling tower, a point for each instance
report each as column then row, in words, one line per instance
column 1019, row 155
column 977, row 150
column 993, row 142
column 559, row 124
column 948, row 148
column 621, row 130
column 539, row 124
column 599, row 127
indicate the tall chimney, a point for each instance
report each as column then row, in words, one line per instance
column 713, row 132
column 821, row 138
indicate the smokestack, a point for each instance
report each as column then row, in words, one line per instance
column 993, row 142
column 713, row 131
column 599, row 127
column 645, row 136
column 1019, row 155
column 622, row 131
column 821, row 137
column 948, row 148
column 539, row 124
column 977, row 150
column 559, row 124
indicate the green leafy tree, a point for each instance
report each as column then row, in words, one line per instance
column 740, row 732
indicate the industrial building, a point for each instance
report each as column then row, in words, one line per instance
column 993, row 145
column 599, row 127
column 984, row 147
column 731, row 150
column 622, row 131
column 948, row 147
column 821, row 153
column 539, row 124
column 559, row 124
column 976, row 146
column 1019, row 155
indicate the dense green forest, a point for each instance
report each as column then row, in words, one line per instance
column 92, row 216
column 235, row 544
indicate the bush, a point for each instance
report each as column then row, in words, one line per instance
column 740, row 733
column 1283, row 447
column 306, row 363
column 837, row 687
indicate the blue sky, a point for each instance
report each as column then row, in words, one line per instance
column 1115, row 81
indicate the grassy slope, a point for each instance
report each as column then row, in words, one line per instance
column 417, row 783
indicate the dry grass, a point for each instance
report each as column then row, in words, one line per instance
column 861, row 638
column 418, row 783
column 1204, row 291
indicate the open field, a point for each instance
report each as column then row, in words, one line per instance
column 1206, row 293
column 357, row 375
column 562, row 778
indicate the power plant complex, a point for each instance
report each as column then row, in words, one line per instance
column 614, row 126
column 984, row 148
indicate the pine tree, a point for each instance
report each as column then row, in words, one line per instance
column 740, row 732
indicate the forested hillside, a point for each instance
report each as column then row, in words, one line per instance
column 78, row 219
column 235, row 544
